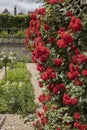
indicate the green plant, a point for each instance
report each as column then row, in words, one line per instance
column 6, row 58
column 4, row 34
column 18, row 74
column 17, row 97
column 17, row 34
column 19, row 65
column 59, row 49
column 20, row 34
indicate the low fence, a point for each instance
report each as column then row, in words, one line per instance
column 12, row 41
column 18, row 49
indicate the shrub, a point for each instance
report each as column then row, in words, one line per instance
column 17, row 34
column 4, row 34
column 20, row 34
column 10, row 21
column 61, row 59
column 18, row 73
column 19, row 65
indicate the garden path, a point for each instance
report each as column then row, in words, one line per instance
column 35, row 75
column 15, row 121
column 2, row 72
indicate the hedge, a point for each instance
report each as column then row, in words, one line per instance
column 10, row 21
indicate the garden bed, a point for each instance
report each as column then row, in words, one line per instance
column 17, row 94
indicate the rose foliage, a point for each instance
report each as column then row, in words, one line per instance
column 53, row 36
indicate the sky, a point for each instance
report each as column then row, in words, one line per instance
column 22, row 5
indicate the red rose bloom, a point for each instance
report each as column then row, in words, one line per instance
column 44, row 97
column 61, row 30
column 40, row 84
column 58, row 87
column 41, row 98
column 74, row 101
column 77, row 115
column 84, row 72
column 73, row 48
column 58, row 62
column 82, row 58
column 26, row 41
column 41, row 11
column 83, row 127
column 58, row 128
column 78, row 82
column 40, row 114
column 38, row 39
column 53, row 1
column 51, row 86
column 77, row 125
column 75, row 24
column 44, row 120
column 48, row 74
column 66, row 99
column 41, row 52
column 69, row 101
column 66, row 40
column 73, row 75
column 56, row 90
column 51, row 39
column 61, row 43
column 47, row 97
column 69, row 13
column 45, row 108
column 46, row 27
column 40, row 67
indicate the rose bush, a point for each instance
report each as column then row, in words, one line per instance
column 54, row 38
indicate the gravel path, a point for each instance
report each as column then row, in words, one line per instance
column 35, row 75
column 2, row 72
column 15, row 121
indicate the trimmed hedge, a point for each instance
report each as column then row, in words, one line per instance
column 10, row 21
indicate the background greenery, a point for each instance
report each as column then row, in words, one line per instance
column 10, row 21
column 12, row 33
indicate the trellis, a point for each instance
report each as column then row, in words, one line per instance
column 78, row 6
